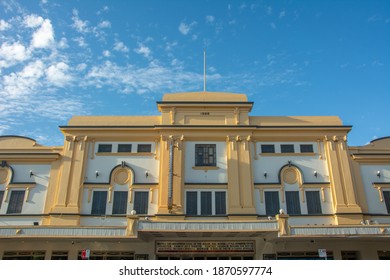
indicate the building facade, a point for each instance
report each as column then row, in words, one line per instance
column 203, row 180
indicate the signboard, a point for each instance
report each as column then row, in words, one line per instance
column 322, row 253
column 204, row 247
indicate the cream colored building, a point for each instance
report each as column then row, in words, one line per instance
column 203, row 180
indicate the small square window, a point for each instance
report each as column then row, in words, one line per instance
column 104, row 148
column 306, row 148
column 205, row 155
column 124, row 148
column 287, row 148
column 144, row 148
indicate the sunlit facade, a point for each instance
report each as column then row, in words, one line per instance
column 202, row 180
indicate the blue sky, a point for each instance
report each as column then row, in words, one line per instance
column 64, row 58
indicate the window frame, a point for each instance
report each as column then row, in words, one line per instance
column 216, row 201
column 143, row 146
column 203, row 155
column 293, row 203
column 269, row 207
column 386, row 199
column 119, row 204
column 102, row 148
column 316, row 201
column 15, row 203
column 97, row 205
column 1, row 198
column 265, row 147
column 306, row 148
column 283, row 148
column 126, row 150
column 141, row 205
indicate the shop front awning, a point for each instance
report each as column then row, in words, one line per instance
column 342, row 231
column 207, row 229
column 51, row 231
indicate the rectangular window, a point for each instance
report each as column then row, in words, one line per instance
column 268, row 149
column 1, row 197
column 16, row 202
column 220, row 203
column 386, row 197
column 272, row 205
column 124, row 148
column 349, row 255
column 104, row 148
column 287, row 148
column 144, row 148
column 24, row 255
column 59, row 255
column 99, row 202
column 292, row 202
column 306, row 148
column 205, row 155
column 192, row 203
column 141, row 202
column 313, row 202
column 120, row 202
column 205, row 203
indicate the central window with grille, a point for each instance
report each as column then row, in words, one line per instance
column 205, row 155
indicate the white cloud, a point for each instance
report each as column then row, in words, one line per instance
column 155, row 77
column 186, row 28
column 4, row 25
column 143, row 50
column 81, row 42
column 58, row 74
column 63, row 43
column 282, row 14
column 44, row 36
column 210, row 19
column 104, row 9
column 169, row 46
column 81, row 67
column 16, row 85
column 105, row 24
column 80, row 25
column 106, row 53
column 120, row 47
column 11, row 54
column 33, row 21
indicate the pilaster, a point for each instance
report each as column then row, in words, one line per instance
column 344, row 197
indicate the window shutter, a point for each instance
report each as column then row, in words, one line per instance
column 272, row 205
column 293, row 203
